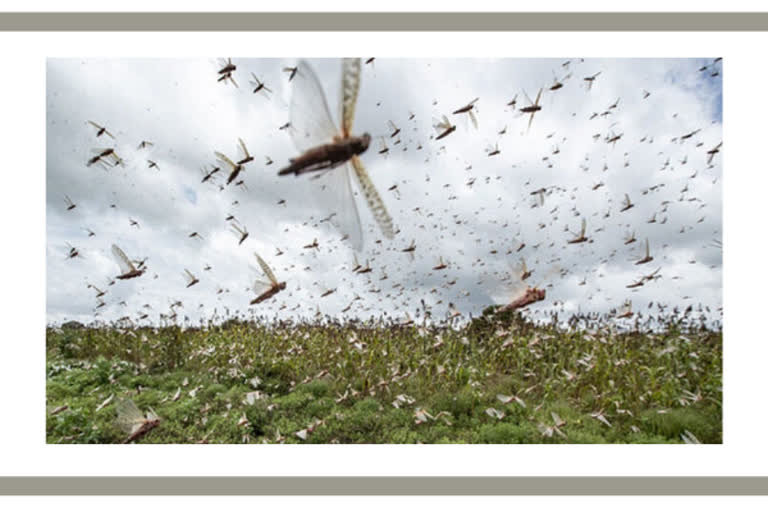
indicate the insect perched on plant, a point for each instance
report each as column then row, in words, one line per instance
column 266, row 290
column 550, row 430
column 127, row 268
column 133, row 422
column 324, row 148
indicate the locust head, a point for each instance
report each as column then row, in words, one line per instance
column 362, row 143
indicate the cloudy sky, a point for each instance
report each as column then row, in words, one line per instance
column 451, row 198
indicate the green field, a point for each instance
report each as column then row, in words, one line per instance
column 493, row 381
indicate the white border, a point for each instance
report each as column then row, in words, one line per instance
column 22, row 130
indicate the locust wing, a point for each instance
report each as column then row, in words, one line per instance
column 310, row 118
column 438, row 124
column 122, row 260
column 224, row 64
column 129, row 417
column 243, row 148
column 528, row 98
column 98, row 127
column 372, row 197
column 350, row 86
column 267, row 271
column 337, row 194
column 530, row 121
column 223, row 159
column 259, row 287
column 473, row 117
column 509, row 290
column 441, row 125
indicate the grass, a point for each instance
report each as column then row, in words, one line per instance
column 248, row 383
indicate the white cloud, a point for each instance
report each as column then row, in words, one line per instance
column 179, row 106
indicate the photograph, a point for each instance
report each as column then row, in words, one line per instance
column 248, row 250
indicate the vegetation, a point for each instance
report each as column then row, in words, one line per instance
column 496, row 380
